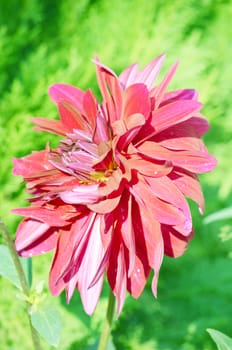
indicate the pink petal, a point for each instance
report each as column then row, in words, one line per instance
column 163, row 212
column 180, row 137
column 158, row 258
column 184, row 94
column 105, row 206
column 136, row 101
column 71, row 117
column 128, row 76
column 194, row 161
column 68, row 93
column 137, row 280
column 90, row 107
column 174, row 113
column 199, row 124
column 81, row 230
column 61, row 259
column 116, row 271
column 33, row 163
column 29, row 231
column 51, row 126
column 174, row 243
column 147, row 234
column 112, row 185
column 101, row 131
column 150, row 167
column 127, row 137
column 189, row 185
column 159, row 91
column 111, row 91
column 101, row 267
column 121, row 282
column 166, row 190
column 82, row 194
column 48, row 216
column 150, row 72
column 125, row 214
column 91, row 260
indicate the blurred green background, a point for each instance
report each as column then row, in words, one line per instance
column 48, row 41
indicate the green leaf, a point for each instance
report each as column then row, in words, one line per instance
column 110, row 345
column 7, row 267
column 47, row 322
column 223, row 341
column 219, row 215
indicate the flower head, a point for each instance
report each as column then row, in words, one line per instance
column 110, row 199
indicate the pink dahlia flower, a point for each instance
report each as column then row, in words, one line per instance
column 110, row 199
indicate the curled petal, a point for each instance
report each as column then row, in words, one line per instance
column 30, row 233
column 158, row 258
column 82, row 194
column 48, row 216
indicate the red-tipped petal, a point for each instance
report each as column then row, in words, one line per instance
column 174, row 243
column 63, row 255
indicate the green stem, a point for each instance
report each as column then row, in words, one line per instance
column 22, row 279
column 108, row 322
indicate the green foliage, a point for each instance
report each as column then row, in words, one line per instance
column 223, row 342
column 7, row 267
column 47, row 322
column 43, row 42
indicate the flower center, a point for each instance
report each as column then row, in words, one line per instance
column 79, row 157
